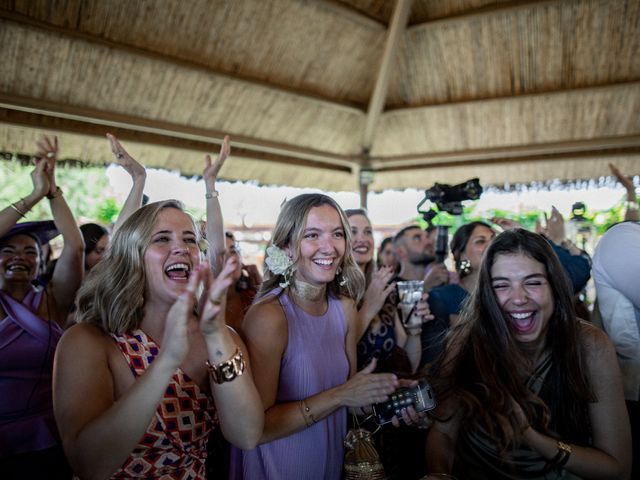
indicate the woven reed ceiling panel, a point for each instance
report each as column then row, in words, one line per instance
column 311, row 91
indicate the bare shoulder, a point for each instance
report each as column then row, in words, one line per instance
column 350, row 312
column 264, row 318
column 83, row 335
column 596, row 345
column 348, row 303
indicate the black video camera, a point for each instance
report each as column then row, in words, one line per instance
column 449, row 198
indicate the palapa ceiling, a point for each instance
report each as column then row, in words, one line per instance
column 312, row 92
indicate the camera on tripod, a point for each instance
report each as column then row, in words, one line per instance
column 448, row 198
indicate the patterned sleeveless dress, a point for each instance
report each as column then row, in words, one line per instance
column 175, row 443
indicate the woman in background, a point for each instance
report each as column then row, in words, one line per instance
column 31, row 324
column 468, row 245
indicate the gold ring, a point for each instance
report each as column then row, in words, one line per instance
column 216, row 301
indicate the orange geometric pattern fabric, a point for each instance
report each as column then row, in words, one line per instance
column 174, row 447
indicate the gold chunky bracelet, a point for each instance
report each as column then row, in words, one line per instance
column 227, row 370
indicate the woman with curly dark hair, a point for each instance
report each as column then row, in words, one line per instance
column 526, row 389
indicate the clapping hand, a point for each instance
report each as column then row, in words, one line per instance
column 125, row 160
column 212, row 169
column 378, row 290
column 182, row 318
column 39, row 178
column 48, row 154
column 213, row 300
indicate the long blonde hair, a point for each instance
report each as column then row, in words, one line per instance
column 113, row 294
column 288, row 232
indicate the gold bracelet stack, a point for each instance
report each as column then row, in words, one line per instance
column 306, row 413
column 20, row 211
column 560, row 459
column 228, row 370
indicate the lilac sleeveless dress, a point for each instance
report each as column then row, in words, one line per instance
column 27, row 345
column 315, row 360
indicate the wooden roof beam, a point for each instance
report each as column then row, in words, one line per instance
column 346, row 10
column 42, row 122
column 376, row 103
column 86, row 116
column 598, row 154
column 585, row 89
column 628, row 144
column 506, row 7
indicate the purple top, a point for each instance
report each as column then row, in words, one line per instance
column 315, row 360
column 27, row 345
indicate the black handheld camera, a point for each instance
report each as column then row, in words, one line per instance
column 448, row 198
column 421, row 397
column 442, row 243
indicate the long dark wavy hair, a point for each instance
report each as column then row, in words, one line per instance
column 484, row 367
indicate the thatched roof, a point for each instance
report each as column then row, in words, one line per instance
column 313, row 91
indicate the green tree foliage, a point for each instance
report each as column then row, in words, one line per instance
column 601, row 220
column 86, row 190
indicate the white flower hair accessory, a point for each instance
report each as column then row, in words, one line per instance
column 203, row 245
column 279, row 263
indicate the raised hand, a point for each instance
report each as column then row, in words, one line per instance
column 378, row 290
column 626, row 182
column 125, row 160
column 505, row 223
column 212, row 169
column 366, row 388
column 212, row 302
column 39, row 178
column 555, row 226
column 48, row 153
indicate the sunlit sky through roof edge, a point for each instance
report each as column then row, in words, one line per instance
column 250, row 204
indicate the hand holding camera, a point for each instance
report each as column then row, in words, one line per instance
column 420, row 397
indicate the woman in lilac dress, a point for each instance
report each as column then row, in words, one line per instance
column 31, row 323
column 302, row 338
